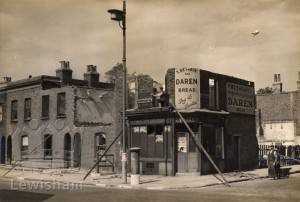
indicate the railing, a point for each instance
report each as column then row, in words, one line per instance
column 289, row 155
column 108, row 160
column 62, row 158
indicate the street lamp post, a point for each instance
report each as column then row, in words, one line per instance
column 120, row 16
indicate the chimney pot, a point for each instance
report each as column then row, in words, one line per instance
column 278, row 78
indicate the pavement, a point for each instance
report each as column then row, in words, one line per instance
column 154, row 182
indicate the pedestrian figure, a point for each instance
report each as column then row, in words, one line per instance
column 276, row 164
column 271, row 160
column 273, row 163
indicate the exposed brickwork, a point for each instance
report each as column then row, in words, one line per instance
column 100, row 101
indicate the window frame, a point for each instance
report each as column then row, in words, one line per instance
column 27, row 109
column 24, row 148
column 14, row 110
column 45, row 147
column 213, row 97
column 98, row 140
column 61, row 104
column 45, row 106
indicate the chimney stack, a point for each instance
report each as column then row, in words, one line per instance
column 64, row 72
column 277, row 85
column 92, row 76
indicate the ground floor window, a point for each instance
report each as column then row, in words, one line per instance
column 100, row 143
column 48, row 146
column 24, row 146
column 213, row 141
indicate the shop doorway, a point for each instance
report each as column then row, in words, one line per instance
column 236, row 150
column 187, row 153
column 2, row 151
column 9, row 150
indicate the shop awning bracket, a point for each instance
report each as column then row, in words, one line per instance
column 199, row 145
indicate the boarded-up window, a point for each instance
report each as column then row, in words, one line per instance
column 100, row 143
column 14, row 110
column 61, row 104
column 150, row 139
column 45, row 106
column 27, row 108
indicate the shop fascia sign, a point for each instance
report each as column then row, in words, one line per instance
column 187, row 88
column 240, row 99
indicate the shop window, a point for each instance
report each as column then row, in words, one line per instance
column 150, row 139
column 24, row 146
column 48, row 146
column 213, row 93
column 213, row 141
column 100, row 144
column 14, row 110
column 61, row 104
column 45, row 106
column 27, row 109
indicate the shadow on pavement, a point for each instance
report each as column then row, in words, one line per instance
column 23, row 196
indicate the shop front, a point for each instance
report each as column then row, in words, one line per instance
column 167, row 147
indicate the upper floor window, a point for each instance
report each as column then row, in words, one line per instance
column 27, row 108
column 61, row 104
column 45, row 106
column 213, row 93
column 14, row 110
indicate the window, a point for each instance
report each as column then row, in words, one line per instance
column 27, row 109
column 48, row 146
column 45, row 106
column 14, row 110
column 213, row 93
column 0, row 113
column 213, row 141
column 24, row 146
column 100, row 143
column 61, row 104
column 150, row 139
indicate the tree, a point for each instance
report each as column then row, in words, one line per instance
column 117, row 73
column 266, row 90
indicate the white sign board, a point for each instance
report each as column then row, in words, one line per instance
column 187, row 88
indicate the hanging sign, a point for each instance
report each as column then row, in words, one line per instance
column 187, row 88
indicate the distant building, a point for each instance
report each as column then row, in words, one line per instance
column 219, row 109
column 58, row 121
column 278, row 116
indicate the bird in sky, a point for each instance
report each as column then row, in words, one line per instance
column 255, row 33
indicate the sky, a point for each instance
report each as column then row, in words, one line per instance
column 213, row 35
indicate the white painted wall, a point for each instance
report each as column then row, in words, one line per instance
column 279, row 131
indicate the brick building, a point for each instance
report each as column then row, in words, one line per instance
column 220, row 110
column 58, row 121
column 278, row 116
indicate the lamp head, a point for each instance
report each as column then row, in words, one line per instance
column 116, row 15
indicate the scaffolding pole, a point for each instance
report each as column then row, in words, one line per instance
column 199, row 145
